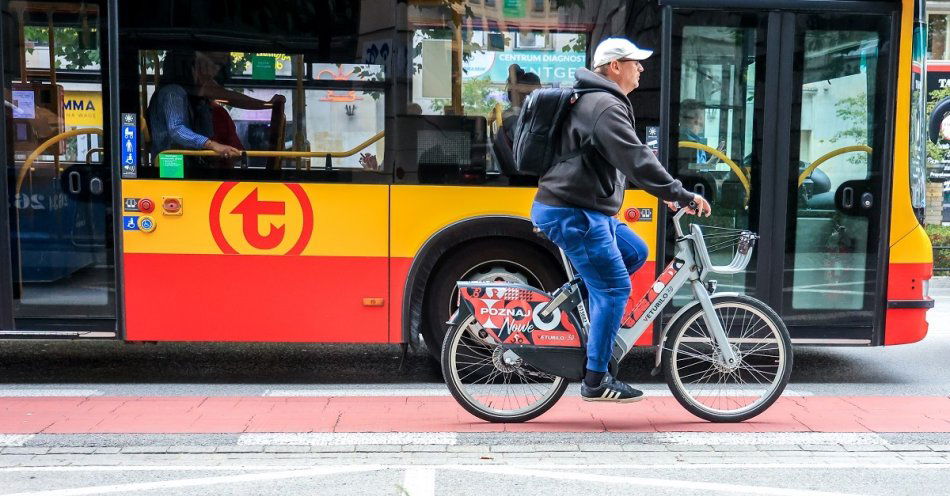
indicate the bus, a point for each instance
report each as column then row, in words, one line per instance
column 369, row 164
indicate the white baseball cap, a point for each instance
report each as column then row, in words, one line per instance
column 618, row 48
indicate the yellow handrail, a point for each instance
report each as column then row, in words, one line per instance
column 732, row 165
column 48, row 143
column 832, row 154
column 283, row 154
column 91, row 152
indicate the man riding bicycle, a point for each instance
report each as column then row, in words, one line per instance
column 578, row 200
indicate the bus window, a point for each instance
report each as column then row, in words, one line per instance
column 268, row 111
column 473, row 65
column 76, row 60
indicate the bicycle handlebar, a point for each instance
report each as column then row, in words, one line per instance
column 679, row 215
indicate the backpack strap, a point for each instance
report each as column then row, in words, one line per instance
column 588, row 144
column 583, row 149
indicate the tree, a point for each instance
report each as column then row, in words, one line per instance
column 854, row 110
column 74, row 48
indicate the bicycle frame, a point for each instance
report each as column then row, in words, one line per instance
column 691, row 264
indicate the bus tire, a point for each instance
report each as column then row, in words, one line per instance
column 488, row 259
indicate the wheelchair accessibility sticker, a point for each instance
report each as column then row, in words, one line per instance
column 130, row 222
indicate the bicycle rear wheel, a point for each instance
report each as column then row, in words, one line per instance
column 492, row 383
column 717, row 393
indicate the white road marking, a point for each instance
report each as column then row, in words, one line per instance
column 203, row 481
column 34, row 393
column 771, row 438
column 346, row 438
column 419, row 481
column 890, row 465
column 643, row 481
column 15, row 439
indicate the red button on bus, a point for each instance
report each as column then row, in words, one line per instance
column 146, row 205
column 632, row 214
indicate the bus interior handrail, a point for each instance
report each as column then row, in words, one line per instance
column 284, row 154
column 832, row 154
column 28, row 163
column 721, row 156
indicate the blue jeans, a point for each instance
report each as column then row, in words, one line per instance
column 604, row 252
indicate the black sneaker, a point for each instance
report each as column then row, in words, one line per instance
column 611, row 389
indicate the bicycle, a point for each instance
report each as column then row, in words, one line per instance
column 511, row 349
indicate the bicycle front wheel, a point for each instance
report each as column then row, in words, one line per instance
column 492, row 383
column 706, row 387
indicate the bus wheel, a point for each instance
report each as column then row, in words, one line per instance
column 482, row 260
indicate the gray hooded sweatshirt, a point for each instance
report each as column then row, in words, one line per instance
column 595, row 179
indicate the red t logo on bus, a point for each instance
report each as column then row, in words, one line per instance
column 250, row 209
column 294, row 238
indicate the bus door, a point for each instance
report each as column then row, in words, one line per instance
column 776, row 117
column 57, row 239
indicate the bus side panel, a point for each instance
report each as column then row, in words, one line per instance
column 253, row 298
column 911, row 265
column 420, row 212
column 244, row 261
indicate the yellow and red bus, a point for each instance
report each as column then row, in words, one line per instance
column 372, row 172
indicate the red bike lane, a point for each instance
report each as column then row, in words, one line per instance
column 245, row 414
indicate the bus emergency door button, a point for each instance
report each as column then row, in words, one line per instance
column 171, row 205
column 632, row 214
column 147, row 224
column 146, row 205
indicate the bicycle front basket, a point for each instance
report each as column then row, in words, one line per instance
column 722, row 243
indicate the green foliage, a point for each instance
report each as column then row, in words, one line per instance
column 577, row 44
column 939, row 236
column 475, row 100
column 75, row 49
column 854, row 110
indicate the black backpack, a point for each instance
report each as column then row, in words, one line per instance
column 537, row 137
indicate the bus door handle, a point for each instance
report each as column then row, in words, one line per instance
column 95, row 186
column 75, row 182
column 847, row 197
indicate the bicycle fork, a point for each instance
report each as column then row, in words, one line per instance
column 728, row 356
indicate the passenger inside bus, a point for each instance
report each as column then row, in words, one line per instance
column 186, row 109
column 693, row 128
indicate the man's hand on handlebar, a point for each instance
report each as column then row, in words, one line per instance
column 701, row 206
column 698, row 206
